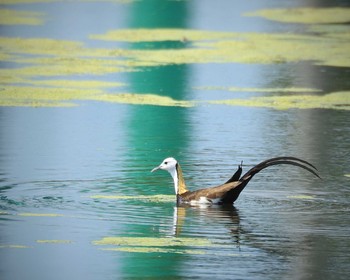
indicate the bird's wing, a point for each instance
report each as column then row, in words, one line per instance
column 210, row 193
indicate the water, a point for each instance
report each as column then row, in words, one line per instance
column 78, row 201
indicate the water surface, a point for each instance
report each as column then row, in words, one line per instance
column 77, row 199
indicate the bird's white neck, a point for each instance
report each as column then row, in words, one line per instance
column 179, row 181
column 173, row 174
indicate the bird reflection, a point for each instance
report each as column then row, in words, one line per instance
column 225, row 216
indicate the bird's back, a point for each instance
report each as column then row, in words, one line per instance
column 219, row 194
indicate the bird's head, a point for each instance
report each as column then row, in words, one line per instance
column 169, row 164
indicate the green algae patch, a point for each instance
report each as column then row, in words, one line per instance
column 14, row 246
column 54, row 241
column 153, row 242
column 40, row 46
column 142, row 99
column 39, row 215
column 89, row 84
column 264, row 90
column 14, row 17
column 47, row 64
column 34, row 104
column 305, row 15
column 217, row 47
column 42, row 58
column 65, row 97
column 64, row 68
column 331, row 30
column 42, row 97
column 265, row 48
column 11, row 2
column 337, row 100
column 155, row 250
column 178, row 245
column 48, row 51
column 302, row 197
column 161, row 34
column 148, row 198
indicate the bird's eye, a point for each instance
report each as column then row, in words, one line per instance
column 166, row 163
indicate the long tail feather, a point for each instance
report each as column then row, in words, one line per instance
column 280, row 160
column 232, row 195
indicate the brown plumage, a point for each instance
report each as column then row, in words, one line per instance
column 228, row 192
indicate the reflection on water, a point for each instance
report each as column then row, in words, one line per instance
column 78, row 201
column 156, row 132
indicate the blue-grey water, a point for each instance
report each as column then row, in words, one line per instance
column 72, row 177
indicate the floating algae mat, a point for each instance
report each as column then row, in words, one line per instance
column 153, row 244
column 51, row 73
column 204, row 47
column 66, row 97
column 54, row 241
column 302, row 197
column 42, row 97
column 154, row 241
column 40, row 215
column 13, row 17
column 142, row 99
column 337, row 100
column 149, row 198
column 216, row 47
column 265, row 90
column 14, row 246
column 162, row 34
column 305, row 15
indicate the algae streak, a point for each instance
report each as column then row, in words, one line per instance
column 337, row 100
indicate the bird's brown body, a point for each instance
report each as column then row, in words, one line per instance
column 228, row 192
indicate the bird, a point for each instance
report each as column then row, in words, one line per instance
column 228, row 192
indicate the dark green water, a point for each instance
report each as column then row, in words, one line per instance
column 64, row 171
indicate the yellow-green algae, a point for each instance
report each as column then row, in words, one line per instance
column 15, row 17
column 142, row 99
column 59, row 57
column 331, row 30
column 226, row 47
column 269, row 90
column 39, row 215
column 347, row 175
column 162, row 34
column 151, row 198
column 56, row 58
column 305, row 15
column 38, row 97
column 179, row 245
column 8, row 2
column 336, row 100
column 155, row 250
column 90, row 84
column 13, row 246
column 54, row 241
column 48, row 96
column 279, row 48
column 41, row 46
column 307, row 197
column 154, row 241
